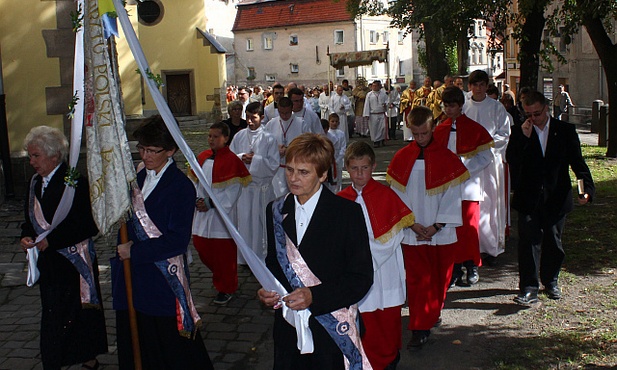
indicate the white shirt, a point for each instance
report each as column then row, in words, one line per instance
column 543, row 134
column 153, row 178
column 47, row 178
column 304, row 213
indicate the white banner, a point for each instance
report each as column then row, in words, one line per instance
column 110, row 164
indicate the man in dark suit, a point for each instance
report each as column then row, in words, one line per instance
column 540, row 153
column 332, row 241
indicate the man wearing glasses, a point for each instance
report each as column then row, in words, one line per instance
column 540, row 153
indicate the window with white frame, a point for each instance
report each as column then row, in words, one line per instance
column 294, row 67
column 270, row 77
column 268, row 41
column 249, row 45
column 340, row 72
column 401, row 37
column 400, row 68
column 339, row 36
column 373, row 37
column 250, row 73
column 385, row 37
column 293, row 40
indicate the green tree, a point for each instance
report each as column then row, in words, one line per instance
column 599, row 18
column 444, row 25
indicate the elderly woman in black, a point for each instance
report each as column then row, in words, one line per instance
column 72, row 322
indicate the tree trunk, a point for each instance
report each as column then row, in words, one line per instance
column 530, row 46
column 462, row 52
column 437, row 65
column 607, row 51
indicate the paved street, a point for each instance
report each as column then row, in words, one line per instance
column 237, row 336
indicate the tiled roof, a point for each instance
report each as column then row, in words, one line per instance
column 285, row 13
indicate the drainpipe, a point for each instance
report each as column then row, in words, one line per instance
column 4, row 140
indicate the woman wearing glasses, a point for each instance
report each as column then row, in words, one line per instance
column 159, row 232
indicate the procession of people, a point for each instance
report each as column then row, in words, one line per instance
column 351, row 257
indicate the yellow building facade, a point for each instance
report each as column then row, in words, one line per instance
column 36, row 50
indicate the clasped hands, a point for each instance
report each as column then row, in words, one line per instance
column 423, row 233
column 299, row 299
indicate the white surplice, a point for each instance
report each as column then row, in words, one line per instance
column 337, row 137
column 493, row 208
column 375, row 109
column 340, row 104
column 310, row 121
column 444, row 208
column 209, row 224
column 389, row 288
column 284, row 132
column 251, row 206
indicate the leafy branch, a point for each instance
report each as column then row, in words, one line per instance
column 158, row 80
column 77, row 19
column 72, row 105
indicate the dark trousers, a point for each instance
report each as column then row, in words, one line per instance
column 539, row 249
column 393, row 121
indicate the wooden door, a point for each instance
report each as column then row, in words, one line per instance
column 179, row 94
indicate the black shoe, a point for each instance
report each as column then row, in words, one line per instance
column 527, row 297
column 418, row 338
column 437, row 323
column 222, row 299
column 472, row 275
column 392, row 365
column 488, row 260
column 553, row 292
column 457, row 276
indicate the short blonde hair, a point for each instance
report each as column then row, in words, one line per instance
column 50, row 140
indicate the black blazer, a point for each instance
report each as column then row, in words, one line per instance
column 543, row 182
column 336, row 248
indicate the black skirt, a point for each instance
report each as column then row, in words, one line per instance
column 70, row 333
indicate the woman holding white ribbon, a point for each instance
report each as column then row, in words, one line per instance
column 159, row 232
column 72, row 321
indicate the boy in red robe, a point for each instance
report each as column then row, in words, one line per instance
column 427, row 177
column 472, row 143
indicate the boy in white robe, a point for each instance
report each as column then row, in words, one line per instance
column 386, row 216
column 493, row 209
column 340, row 104
column 284, row 128
column 259, row 152
column 337, row 137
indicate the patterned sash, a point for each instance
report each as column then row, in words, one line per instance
column 340, row 324
column 80, row 255
column 174, row 269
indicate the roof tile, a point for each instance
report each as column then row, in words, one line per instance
column 284, row 13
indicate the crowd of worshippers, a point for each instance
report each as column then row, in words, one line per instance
column 353, row 257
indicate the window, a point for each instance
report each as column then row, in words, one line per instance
column 340, row 72
column 400, row 68
column 250, row 73
column 385, row 37
column 270, row 77
column 338, row 37
column 401, row 37
column 249, row 44
column 293, row 40
column 294, row 68
column 563, row 46
column 150, row 13
column 268, row 42
column 480, row 57
column 374, row 68
column 373, row 37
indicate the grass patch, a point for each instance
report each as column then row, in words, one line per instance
column 579, row 331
